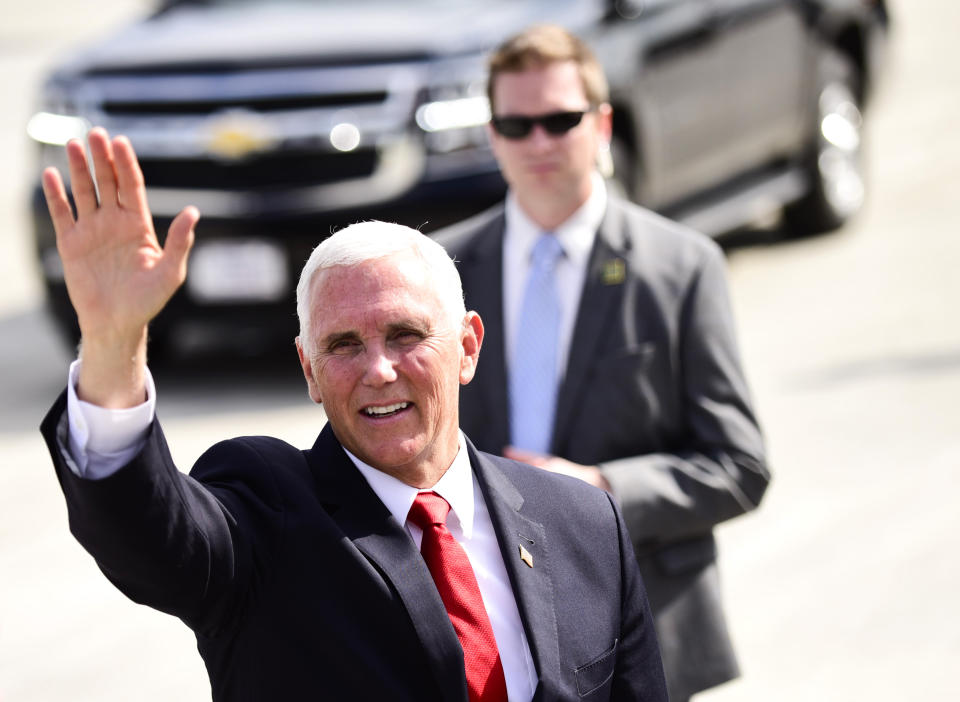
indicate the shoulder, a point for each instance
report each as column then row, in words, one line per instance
column 551, row 497
column 660, row 250
column 646, row 232
column 459, row 239
column 261, row 466
column 251, row 449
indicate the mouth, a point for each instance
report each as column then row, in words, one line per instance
column 541, row 167
column 381, row 411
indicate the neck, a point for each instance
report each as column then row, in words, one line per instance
column 421, row 479
column 426, row 470
column 549, row 212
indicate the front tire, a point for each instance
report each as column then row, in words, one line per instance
column 835, row 164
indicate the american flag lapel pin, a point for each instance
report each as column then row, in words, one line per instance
column 526, row 556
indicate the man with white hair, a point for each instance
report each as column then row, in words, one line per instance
column 390, row 561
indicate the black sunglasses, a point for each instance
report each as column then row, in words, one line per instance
column 519, row 126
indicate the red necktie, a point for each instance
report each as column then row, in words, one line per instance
column 457, row 584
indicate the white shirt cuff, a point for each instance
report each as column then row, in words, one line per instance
column 101, row 441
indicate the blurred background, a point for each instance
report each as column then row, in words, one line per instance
column 841, row 586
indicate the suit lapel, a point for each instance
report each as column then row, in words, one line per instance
column 366, row 521
column 603, row 290
column 482, row 274
column 532, row 585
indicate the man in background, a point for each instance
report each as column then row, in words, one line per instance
column 610, row 352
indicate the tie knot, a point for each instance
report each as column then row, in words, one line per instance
column 546, row 251
column 428, row 509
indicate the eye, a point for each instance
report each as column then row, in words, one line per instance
column 342, row 347
column 406, row 336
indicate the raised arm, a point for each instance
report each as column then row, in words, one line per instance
column 117, row 274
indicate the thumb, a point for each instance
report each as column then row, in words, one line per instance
column 179, row 241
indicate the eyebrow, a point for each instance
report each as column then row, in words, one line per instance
column 351, row 334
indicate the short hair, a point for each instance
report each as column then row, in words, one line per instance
column 366, row 241
column 544, row 44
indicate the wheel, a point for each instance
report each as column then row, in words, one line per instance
column 835, row 164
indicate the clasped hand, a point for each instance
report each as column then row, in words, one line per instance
column 555, row 464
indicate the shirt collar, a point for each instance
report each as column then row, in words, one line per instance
column 455, row 486
column 575, row 234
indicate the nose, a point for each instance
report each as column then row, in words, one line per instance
column 539, row 138
column 379, row 369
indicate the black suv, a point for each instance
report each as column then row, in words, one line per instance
column 284, row 120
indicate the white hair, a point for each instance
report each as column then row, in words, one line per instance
column 365, row 241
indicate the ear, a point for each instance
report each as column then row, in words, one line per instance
column 471, row 339
column 307, row 367
column 604, row 121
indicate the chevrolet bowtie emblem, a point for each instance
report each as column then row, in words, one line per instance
column 614, row 271
column 526, row 557
column 236, row 134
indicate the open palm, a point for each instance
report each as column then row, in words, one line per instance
column 117, row 274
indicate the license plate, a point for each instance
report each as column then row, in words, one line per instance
column 247, row 270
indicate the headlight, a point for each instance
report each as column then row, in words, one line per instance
column 57, row 121
column 459, row 113
column 453, row 117
column 56, row 130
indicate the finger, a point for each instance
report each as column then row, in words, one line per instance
column 179, row 241
column 103, row 166
column 81, row 183
column 532, row 458
column 519, row 454
column 131, row 192
column 57, row 204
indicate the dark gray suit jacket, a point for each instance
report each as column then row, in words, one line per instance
column 300, row 584
column 654, row 394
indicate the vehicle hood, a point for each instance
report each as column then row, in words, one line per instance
column 244, row 33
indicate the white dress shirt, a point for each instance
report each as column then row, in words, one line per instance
column 101, row 441
column 576, row 236
column 469, row 523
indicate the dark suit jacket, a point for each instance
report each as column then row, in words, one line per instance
column 653, row 394
column 299, row 584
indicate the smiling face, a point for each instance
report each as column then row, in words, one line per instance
column 549, row 174
column 387, row 363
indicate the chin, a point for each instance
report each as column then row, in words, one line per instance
column 395, row 458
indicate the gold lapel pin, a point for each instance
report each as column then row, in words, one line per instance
column 614, row 271
column 526, row 556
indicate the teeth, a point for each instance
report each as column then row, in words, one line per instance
column 387, row 409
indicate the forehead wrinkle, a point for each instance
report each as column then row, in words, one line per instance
column 368, row 297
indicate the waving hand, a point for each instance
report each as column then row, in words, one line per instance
column 117, row 274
